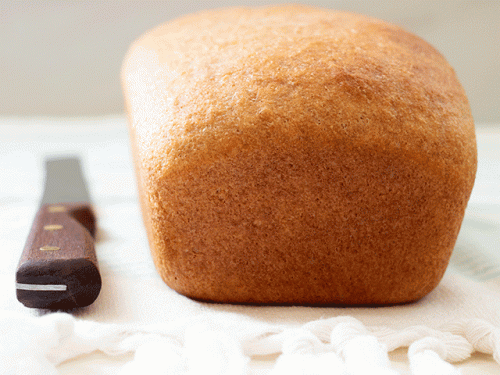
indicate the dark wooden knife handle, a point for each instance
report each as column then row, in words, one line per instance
column 58, row 267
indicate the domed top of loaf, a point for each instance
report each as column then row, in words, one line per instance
column 212, row 84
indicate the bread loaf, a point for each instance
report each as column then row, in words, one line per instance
column 296, row 155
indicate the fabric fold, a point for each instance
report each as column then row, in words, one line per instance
column 214, row 344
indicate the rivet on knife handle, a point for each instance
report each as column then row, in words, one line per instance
column 58, row 267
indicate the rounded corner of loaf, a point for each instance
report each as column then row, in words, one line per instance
column 294, row 155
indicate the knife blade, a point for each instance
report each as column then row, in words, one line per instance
column 58, row 267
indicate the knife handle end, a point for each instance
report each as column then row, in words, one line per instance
column 58, row 284
column 58, row 267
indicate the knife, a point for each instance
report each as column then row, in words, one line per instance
column 58, row 267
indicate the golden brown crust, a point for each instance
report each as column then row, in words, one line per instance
column 298, row 155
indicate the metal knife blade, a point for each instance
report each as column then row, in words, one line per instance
column 58, row 267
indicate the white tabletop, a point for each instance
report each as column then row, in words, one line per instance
column 133, row 292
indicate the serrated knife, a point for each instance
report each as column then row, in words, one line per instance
column 58, row 267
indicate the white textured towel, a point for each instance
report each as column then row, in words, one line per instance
column 138, row 325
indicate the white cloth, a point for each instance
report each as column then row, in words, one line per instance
column 140, row 325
